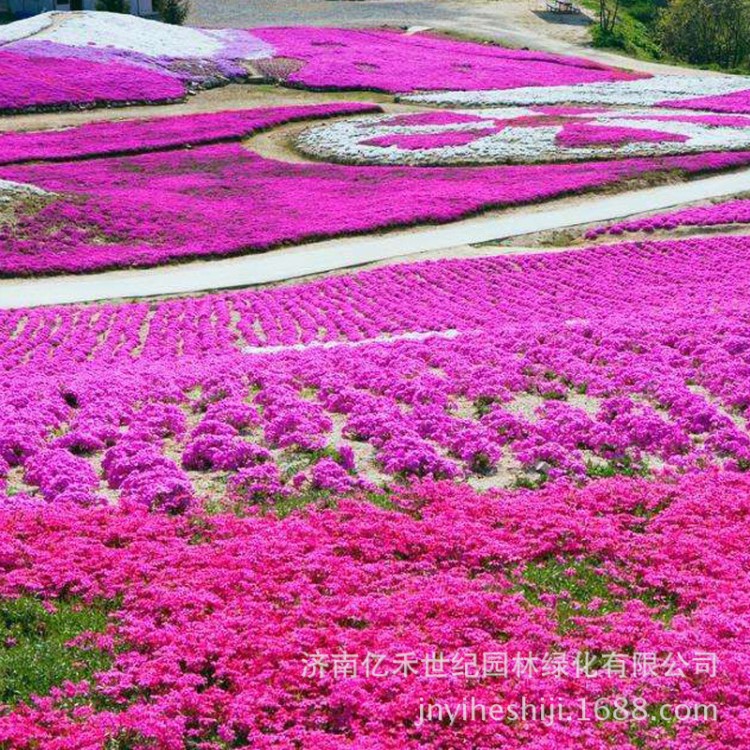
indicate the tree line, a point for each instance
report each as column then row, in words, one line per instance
column 698, row 32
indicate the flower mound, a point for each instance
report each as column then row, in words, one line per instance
column 93, row 58
column 63, row 81
column 392, row 61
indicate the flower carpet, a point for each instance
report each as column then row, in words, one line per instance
column 87, row 59
column 726, row 213
column 132, row 210
column 477, row 503
column 605, row 389
column 522, row 135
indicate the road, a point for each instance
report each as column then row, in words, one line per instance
column 447, row 241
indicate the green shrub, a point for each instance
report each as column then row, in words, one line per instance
column 174, row 11
column 113, row 6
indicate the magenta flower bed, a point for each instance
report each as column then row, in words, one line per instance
column 219, row 618
column 393, row 62
column 539, row 368
column 223, row 199
column 730, row 212
column 737, row 102
column 31, row 82
column 140, row 136
column 578, row 135
column 560, row 368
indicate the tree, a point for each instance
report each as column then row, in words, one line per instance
column 707, row 32
column 609, row 11
column 174, row 11
column 113, row 6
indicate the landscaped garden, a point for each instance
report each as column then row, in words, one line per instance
column 352, row 511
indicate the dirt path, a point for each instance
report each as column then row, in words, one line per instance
column 322, row 257
column 233, row 96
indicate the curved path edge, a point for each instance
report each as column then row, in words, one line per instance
column 331, row 255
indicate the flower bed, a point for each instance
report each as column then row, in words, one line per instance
column 584, row 364
column 157, row 134
column 90, row 59
column 61, row 81
column 570, row 586
column 395, row 62
column 95, row 58
column 521, row 135
column 729, row 212
column 187, row 53
column 170, row 205
column 719, row 93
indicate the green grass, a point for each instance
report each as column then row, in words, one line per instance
column 624, row 466
column 578, row 582
column 34, row 655
column 283, row 507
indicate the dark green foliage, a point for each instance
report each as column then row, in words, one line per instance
column 113, row 6
column 174, row 11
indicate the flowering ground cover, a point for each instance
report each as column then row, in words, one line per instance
column 720, row 93
column 170, row 204
column 395, row 62
column 163, row 133
column 93, row 58
column 60, row 81
column 521, row 135
column 583, row 364
column 213, row 620
column 614, row 379
column 717, row 214
column 58, row 59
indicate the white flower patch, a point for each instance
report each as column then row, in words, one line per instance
column 376, row 140
column 126, row 33
column 640, row 93
column 11, row 32
column 7, row 186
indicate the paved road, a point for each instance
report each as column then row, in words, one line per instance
column 320, row 257
column 247, row 13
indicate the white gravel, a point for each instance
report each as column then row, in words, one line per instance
column 7, row 186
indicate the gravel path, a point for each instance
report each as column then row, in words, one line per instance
column 306, row 260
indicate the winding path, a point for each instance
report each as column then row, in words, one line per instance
column 331, row 255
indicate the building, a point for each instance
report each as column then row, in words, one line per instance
column 24, row 8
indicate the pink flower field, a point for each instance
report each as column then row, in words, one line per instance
column 48, row 82
column 212, row 618
column 572, row 372
column 174, row 203
column 494, row 500
column 715, row 215
column 393, row 62
column 94, row 59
